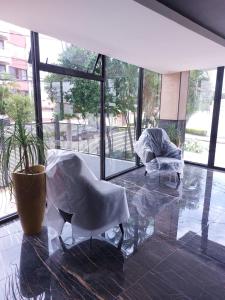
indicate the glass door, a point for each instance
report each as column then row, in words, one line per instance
column 199, row 115
column 71, row 105
column 70, row 113
column 121, row 91
column 220, row 145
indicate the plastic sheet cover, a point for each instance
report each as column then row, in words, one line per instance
column 157, row 152
column 96, row 205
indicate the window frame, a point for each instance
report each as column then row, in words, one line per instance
column 2, row 44
column 4, row 66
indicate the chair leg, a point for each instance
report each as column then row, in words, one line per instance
column 178, row 175
column 119, row 246
column 62, row 244
column 121, row 228
column 146, row 172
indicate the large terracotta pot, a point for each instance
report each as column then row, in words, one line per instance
column 30, row 192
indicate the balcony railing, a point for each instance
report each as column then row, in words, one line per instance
column 86, row 139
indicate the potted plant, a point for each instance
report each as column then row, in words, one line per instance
column 22, row 148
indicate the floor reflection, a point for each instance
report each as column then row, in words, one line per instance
column 87, row 270
column 30, row 278
column 173, row 247
column 164, row 208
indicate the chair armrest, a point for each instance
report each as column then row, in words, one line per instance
column 148, row 155
column 144, row 152
column 179, row 153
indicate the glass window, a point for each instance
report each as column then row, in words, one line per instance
column 70, row 112
column 17, row 73
column 121, row 107
column 220, row 145
column 24, row 74
column 56, row 52
column 13, row 57
column 151, row 99
column 12, row 72
column 199, row 115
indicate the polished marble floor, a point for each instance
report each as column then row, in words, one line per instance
column 173, row 247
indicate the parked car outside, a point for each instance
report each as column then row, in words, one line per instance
column 82, row 133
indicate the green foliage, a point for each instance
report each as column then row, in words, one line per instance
column 7, row 89
column 19, row 142
column 78, row 59
column 121, row 92
column 174, row 134
column 50, row 88
column 119, row 154
column 68, row 116
column 121, row 88
column 25, row 143
column 196, row 101
column 5, row 93
column 19, row 108
column 196, row 131
column 84, row 96
column 193, row 146
column 151, row 98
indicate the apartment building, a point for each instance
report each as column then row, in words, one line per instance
column 14, row 52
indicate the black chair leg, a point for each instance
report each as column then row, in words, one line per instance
column 119, row 246
column 121, row 228
column 146, row 172
column 62, row 244
column 178, row 175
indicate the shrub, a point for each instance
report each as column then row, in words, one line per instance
column 174, row 134
column 196, row 131
column 193, row 146
column 19, row 108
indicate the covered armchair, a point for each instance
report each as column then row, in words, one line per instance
column 74, row 194
column 157, row 152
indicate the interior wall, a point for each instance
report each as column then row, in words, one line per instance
column 170, row 96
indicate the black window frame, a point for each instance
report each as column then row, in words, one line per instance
column 38, row 66
column 46, row 67
column 214, row 125
column 80, row 74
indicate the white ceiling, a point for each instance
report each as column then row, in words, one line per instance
column 123, row 29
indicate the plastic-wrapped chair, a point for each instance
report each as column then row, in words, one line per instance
column 157, row 152
column 74, row 194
